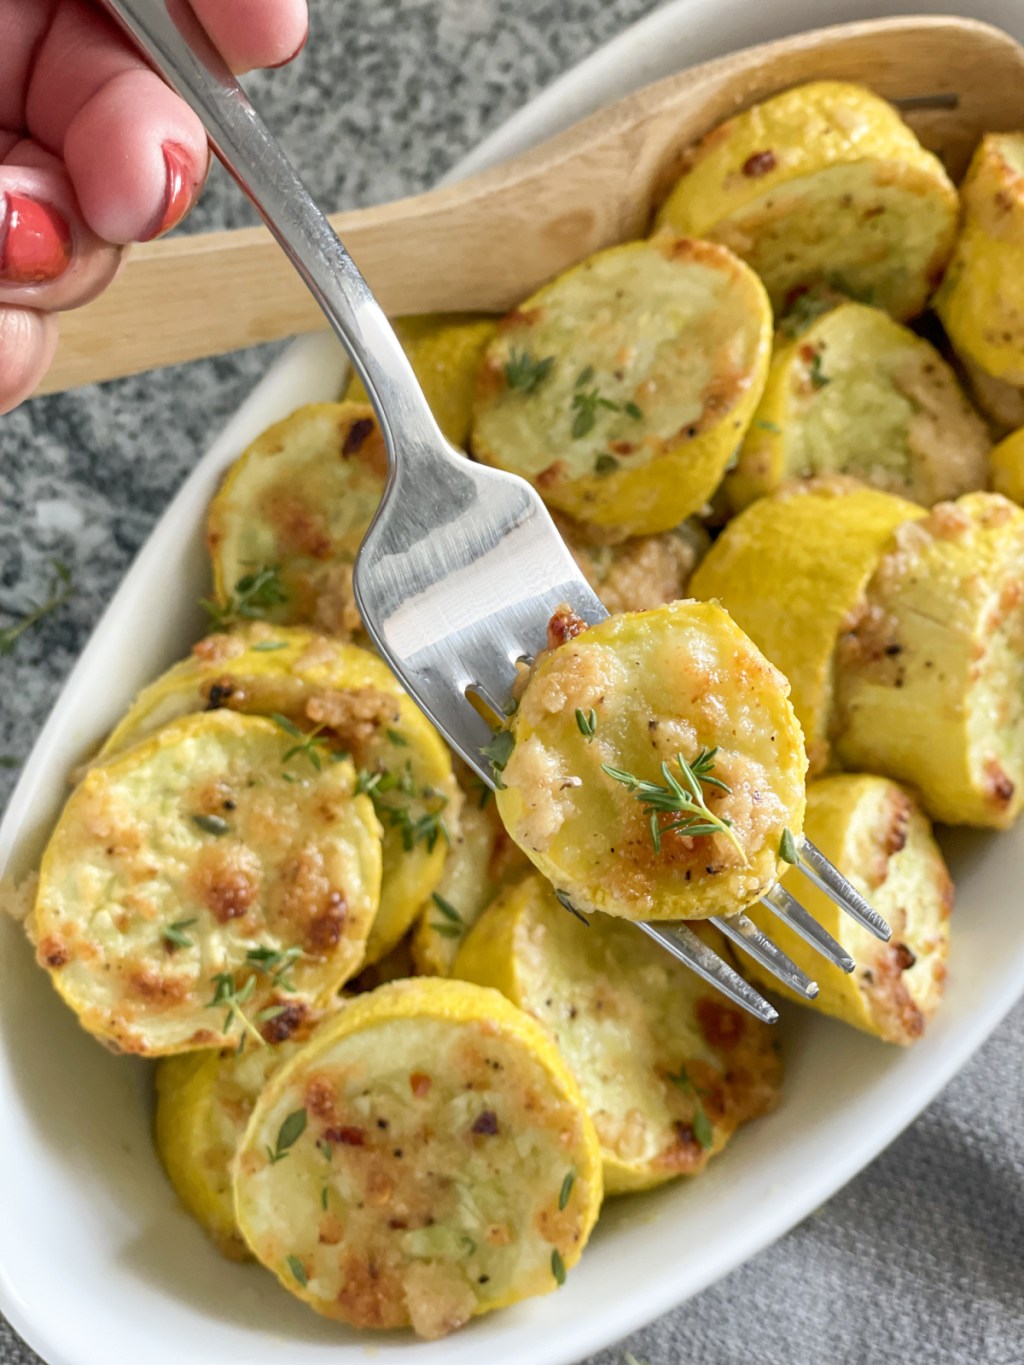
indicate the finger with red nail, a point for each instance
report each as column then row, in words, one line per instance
column 96, row 152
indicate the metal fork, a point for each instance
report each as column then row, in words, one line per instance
column 462, row 567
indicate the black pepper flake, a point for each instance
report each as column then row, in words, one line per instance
column 486, row 1123
column 893, row 650
column 219, row 694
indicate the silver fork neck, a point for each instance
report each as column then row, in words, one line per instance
column 173, row 40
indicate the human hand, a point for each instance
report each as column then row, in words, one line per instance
column 96, row 152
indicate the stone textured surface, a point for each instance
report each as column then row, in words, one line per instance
column 920, row 1259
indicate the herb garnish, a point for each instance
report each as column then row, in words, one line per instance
column 523, row 373
column 396, row 737
column 703, row 1129
column 687, row 801
column 269, row 646
column 499, row 751
column 587, row 722
column 788, row 851
column 455, row 926
column 805, row 309
column 275, row 963
column 605, row 464
column 287, row 1135
column 818, row 377
column 174, row 935
column 234, row 998
column 566, row 1190
column 309, row 743
column 61, row 589
column 298, row 1270
column 585, row 404
column 773, row 427
column 558, row 1266
column 211, row 824
column 255, row 593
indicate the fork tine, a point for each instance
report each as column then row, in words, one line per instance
column 742, row 931
column 791, row 912
column 817, row 868
column 686, row 947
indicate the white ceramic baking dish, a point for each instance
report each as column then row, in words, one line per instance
column 98, row 1264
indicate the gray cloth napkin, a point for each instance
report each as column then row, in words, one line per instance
column 919, row 1261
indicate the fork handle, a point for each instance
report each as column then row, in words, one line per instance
column 171, row 37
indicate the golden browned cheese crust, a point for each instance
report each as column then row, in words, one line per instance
column 662, row 685
column 428, row 1133
column 204, row 884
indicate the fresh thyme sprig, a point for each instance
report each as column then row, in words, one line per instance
column 254, row 595
column 426, row 828
column 311, row 745
column 61, row 589
column 587, row 722
column 288, row 1135
column 587, row 401
column 523, row 373
column 174, row 934
column 703, row 1129
column 233, row 998
column 275, row 963
column 673, row 798
column 455, row 926
column 499, row 750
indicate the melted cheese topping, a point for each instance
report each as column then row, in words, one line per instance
column 662, row 683
column 172, row 865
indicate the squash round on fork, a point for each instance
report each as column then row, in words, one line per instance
column 656, row 764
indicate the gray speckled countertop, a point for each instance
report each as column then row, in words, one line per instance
column 919, row 1259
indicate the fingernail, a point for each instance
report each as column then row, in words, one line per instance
column 178, row 192
column 35, row 242
column 277, row 65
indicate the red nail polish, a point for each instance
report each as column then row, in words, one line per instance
column 35, row 242
column 275, row 66
column 178, row 194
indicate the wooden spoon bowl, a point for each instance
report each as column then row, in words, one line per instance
column 484, row 243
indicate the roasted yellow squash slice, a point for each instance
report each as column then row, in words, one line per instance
column 642, row 728
column 668, row 1069
column 190, row 887
column 355, row 703
column 790, row 570
column 981, row 301
column 876, row 835
column 854, row 392
column 823, row 183
column 286, row 526
column 622, row 389
column 930, row 677
column 437, row 1161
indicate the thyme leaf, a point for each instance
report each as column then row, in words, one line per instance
column 254, row 595
column 523, row 373
column 287, row 1135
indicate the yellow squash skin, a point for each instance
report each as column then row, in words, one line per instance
column 856, row 393
column 639, row 1031
column 197, row 831
column 481, row 860
column 203, row 1103
column 790, row 570
column 441, row 1127
column 445, row 351
column 666, row 345
column 676, row 680
column 876, row 835
column 1007, row 467
column 822, row 183
column 299, row 500
column 357, row 701
column 930, row 678
column 981, row 302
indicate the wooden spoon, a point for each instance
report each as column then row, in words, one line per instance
column 484, row 243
